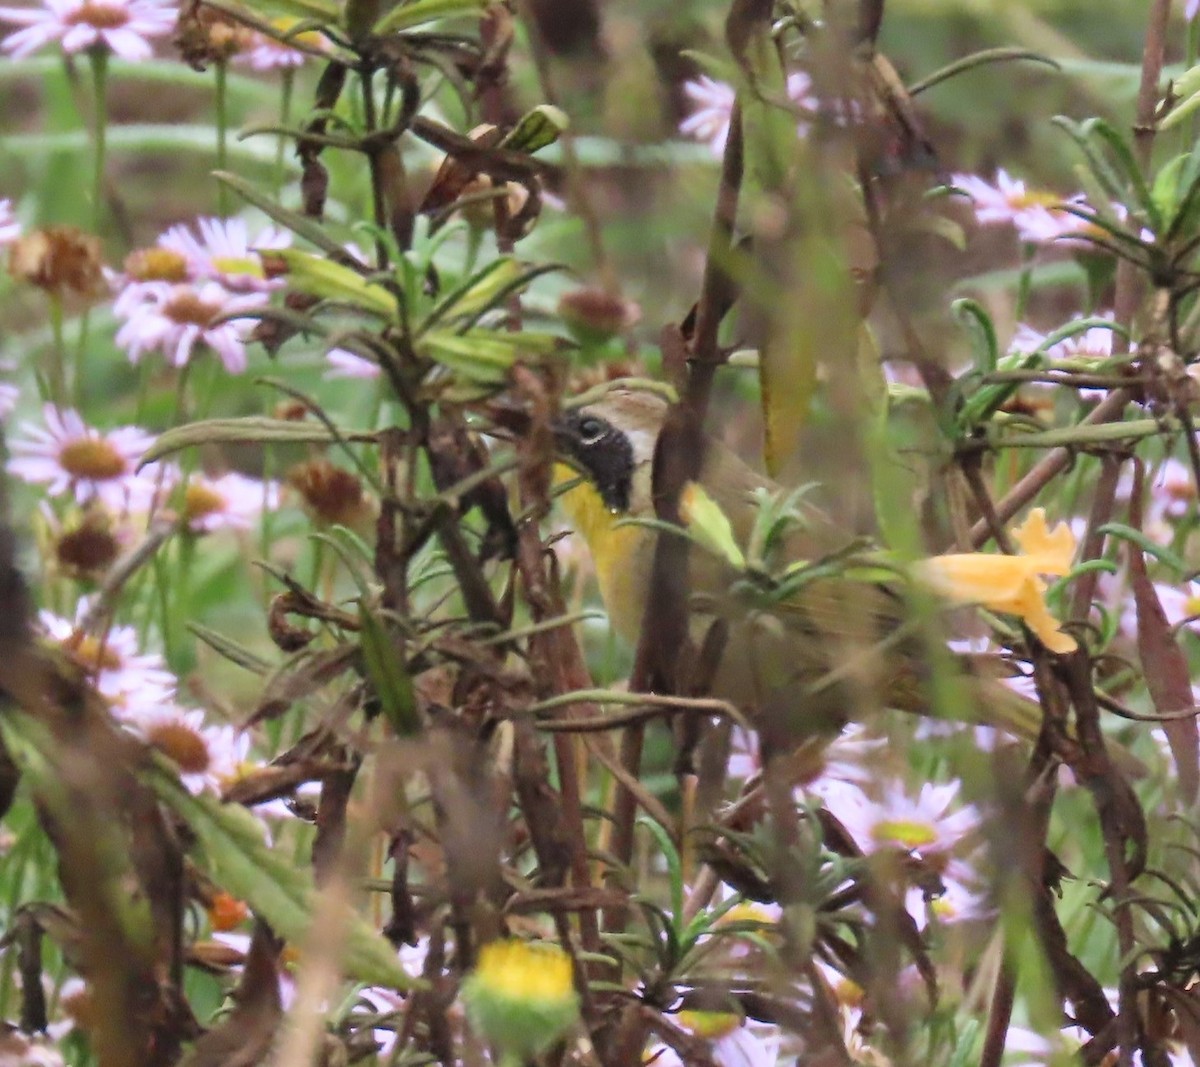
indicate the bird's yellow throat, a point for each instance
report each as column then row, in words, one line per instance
column 622, row 554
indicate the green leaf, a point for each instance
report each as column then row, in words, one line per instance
column 709, row 525
column 667, row 850
column 324, row 11
column 537, row 128
column 484, row 289
column 227, row 647
column 406, row 16
column 484, row 356
column 386, row 669
column 301, row 225
column 323, row 278
column 1146, row 544
column 233, row 848
column 983, row 335
column 253, row 429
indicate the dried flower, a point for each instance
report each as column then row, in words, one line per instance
column 205, row 35
column 87, row 549
column 59, row 259
column 1010, row 584
column 332, row 495
column 594, row 315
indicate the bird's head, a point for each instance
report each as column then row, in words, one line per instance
column 611, row 443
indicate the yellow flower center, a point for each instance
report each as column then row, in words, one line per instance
column 182, row 744
column 156, row 265
column 747, row 912
column 904, row 832
column 710, row 1025
column 525, row 972
column 101, row 16
column 1192, row 606
column 91, row 653
column 942, row 908
column 251, row 265
column 187, row 309
column 91, row 458
column 1036, row 198
column 306, row 39
column 200, row 500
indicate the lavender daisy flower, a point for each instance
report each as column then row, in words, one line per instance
column 1037, row 214
column 67, row 455
column 124, row 27
column 267, row 53
column 229, row 502
column 224, row 252
column 135, row 683
column 174, row 319
column 345, row 364
column 10, row 228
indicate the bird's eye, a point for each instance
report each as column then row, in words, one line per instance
column 591, row 430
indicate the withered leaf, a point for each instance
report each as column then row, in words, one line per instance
column 1167, row 677
column 302, row 676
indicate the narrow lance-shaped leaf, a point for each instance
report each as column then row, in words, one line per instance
column 537, row 128
column 406, row 16
column 235, row 852
column 323, row 278
column 1167, row 677
column 250, row 430
column 388, row 675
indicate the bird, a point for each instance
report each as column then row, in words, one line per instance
column 805, row 664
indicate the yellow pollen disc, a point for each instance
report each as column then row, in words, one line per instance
column 942, row 908
column 92, row 653
column 525, row 972
column 156, row 265
column 91, row 458
column 747, row 912
column 182, row 744
column 239, row 265
column 1192, row 606
column 903, row 832
column 187, row 309
column 101, row 16
column 712, row 1025
column 1036, row 198
column 310, row 38
column 200, row 500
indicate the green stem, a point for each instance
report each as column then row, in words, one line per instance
column 99, row 61
column 1025, row 280
column 222, row 117
column 285, row 115
column 56, row 377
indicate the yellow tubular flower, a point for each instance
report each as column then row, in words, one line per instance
column 521, row 997
column 1010, row 584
